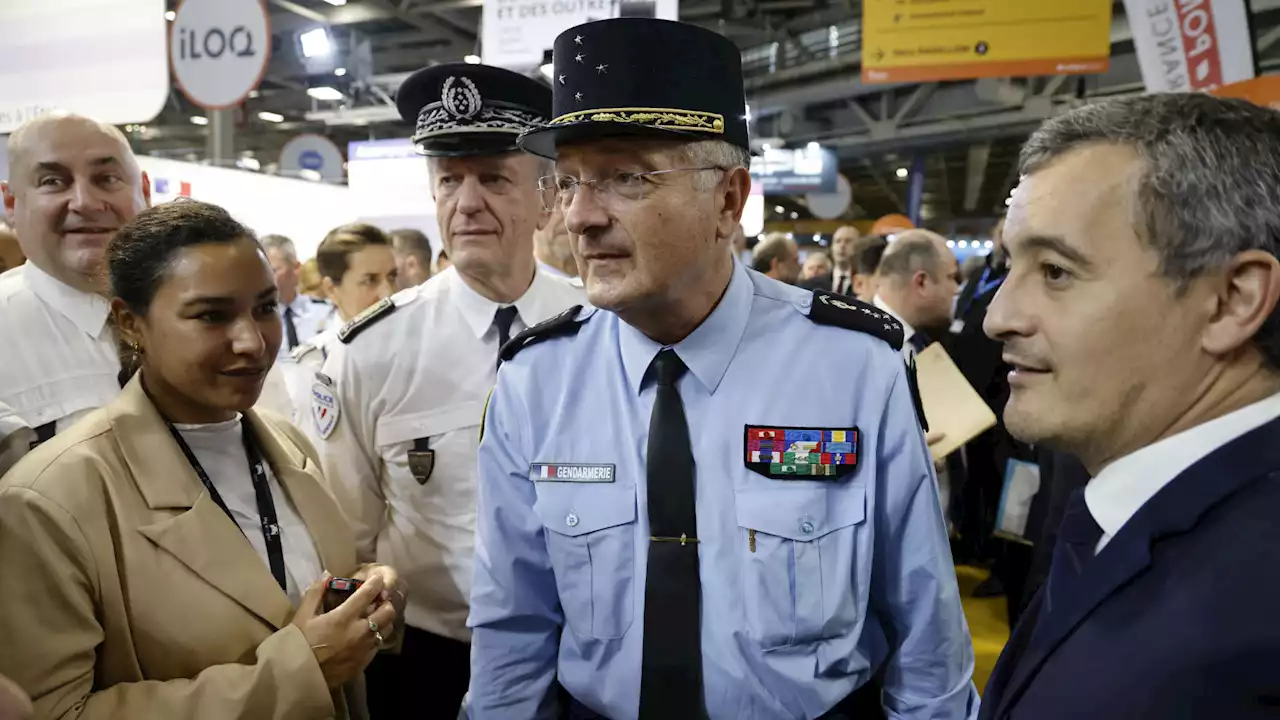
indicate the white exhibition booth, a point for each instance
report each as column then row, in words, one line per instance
column 391, row 188
column 301, row 210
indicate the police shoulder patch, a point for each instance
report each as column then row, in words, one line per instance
column 365, row 319
column 566, row 323
column 324, row 406
column 853, row 314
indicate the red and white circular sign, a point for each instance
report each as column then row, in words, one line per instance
column 219, row 50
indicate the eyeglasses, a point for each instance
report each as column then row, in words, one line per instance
column 559, row 190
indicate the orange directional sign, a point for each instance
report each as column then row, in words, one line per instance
column 925, row 40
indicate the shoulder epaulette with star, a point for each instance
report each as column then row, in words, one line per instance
column 366, row 318
column 566, row 323
column 850, row 313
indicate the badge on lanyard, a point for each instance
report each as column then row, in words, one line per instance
column 1021, row 483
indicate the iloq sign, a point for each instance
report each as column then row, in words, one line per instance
column 219, row 50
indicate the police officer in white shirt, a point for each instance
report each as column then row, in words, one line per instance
column 72, row 183
column 302, row 316
column 357, row 269
column 399, row 403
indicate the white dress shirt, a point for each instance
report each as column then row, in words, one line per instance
column 60, row 360
column 840, row 277
column 908, row 352
column 220, row 449
column 1124, row 486
column 423, row 371
column 15, row 438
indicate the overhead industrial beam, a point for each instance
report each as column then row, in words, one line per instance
column 430, row 23
column 301, row 11
column 919, row 96
column 884, row 184
column 975, row 171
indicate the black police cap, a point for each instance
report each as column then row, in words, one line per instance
column 462, row 109
column 640, row 76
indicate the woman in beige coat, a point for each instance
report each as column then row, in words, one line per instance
column 161, row 557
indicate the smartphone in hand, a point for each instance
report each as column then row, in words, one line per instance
column 338, row 590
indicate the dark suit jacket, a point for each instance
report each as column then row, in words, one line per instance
column 1176, row 617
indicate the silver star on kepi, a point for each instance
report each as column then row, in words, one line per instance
column 577, row 96
column 579, row 57
column 562, row 79
column 602, row 69
column 578, row 40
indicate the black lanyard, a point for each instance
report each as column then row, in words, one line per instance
column 261, row 489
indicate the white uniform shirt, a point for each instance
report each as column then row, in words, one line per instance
column 220, row 449
column 60, row 359
column 423, row 371
column 298, row 374
column 309, row 318
column 15, row 438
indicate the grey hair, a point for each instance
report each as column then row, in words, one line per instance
column 714, row 153
column 911, row 252
column 283, row 244
column 775, row 246
column 1208, row 185
column 544, row 168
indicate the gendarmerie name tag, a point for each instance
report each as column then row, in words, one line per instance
column 571, row 472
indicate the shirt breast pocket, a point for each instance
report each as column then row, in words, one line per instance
column 590, row 531
column 800, row 549
column 421, row 442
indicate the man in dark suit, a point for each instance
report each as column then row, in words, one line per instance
column 1139, row 317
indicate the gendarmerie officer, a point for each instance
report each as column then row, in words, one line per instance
column 398, row 404
column 710, row 497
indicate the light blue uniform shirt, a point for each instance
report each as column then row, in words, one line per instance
column 791, row 624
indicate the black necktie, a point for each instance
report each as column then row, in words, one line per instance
column 919, row 341
column 290, row 330
column 671, row 670
column 503, row 319
column 1077, row 541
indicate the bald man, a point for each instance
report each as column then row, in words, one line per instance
column 917, row 278
column 73, row 182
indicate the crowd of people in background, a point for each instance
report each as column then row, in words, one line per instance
column 565, row 461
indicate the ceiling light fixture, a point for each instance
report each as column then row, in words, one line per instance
column 271, row 117
column 340, row 71
column 199, row 120
column 338, row 3
column 170, row 15
column 472, row 59
column 315, row 43
column 324, row 92
column 902, row 172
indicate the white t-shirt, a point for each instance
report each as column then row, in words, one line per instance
column 220, row 449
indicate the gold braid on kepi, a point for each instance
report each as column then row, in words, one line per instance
column 639, row 76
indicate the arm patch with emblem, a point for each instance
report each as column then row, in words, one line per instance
column 366, row 318
column 566, row 323
column 846, row 312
